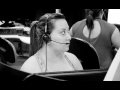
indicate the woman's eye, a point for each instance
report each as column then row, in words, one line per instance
column 63, row 32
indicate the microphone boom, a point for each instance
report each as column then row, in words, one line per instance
column 59, row 42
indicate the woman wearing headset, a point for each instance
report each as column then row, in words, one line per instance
column 50, row 40
column 101, row 34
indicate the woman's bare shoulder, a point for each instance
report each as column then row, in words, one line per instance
column 29, row 65
column 74, row 60
column 70, row 55
column 30, row 60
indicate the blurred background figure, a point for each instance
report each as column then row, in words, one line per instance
column 101, row 34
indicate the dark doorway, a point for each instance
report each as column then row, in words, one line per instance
column 105, row 16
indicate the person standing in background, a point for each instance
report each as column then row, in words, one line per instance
column 101, row 34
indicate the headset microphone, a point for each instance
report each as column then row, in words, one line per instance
column 59, row 42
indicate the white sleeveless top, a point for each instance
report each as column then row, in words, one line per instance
column 42, row 64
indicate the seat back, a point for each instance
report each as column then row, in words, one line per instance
column 9, row 74
column 85, row 52
column 78, row 75
column 2, row 51
column 10, row 53
column 13, row 47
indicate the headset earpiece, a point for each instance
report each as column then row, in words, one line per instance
column 46, row 38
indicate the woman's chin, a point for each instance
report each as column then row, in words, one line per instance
column 66, row 49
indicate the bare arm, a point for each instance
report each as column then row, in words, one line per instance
column 77, row 63
column 31, row 66
column 116, row 38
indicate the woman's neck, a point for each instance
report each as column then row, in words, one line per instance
column 52, row 55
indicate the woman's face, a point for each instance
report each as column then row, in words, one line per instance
column 60, row 36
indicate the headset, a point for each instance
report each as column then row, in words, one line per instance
column 46, row 37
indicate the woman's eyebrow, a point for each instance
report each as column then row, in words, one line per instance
column 62, row 29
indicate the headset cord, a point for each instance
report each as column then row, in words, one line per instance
column 46, row 59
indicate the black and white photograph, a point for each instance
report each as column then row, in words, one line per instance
column 59, row 44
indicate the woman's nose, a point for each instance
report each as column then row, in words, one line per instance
column 68, row 37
